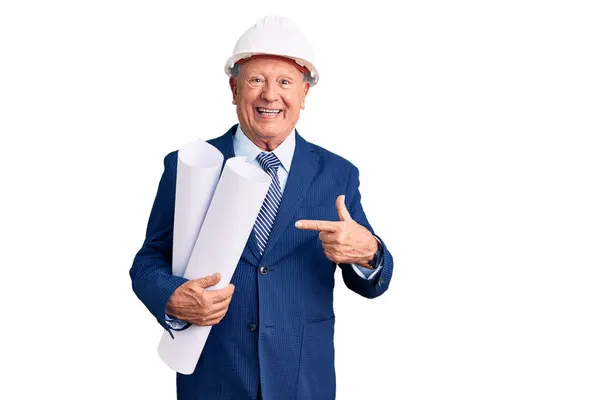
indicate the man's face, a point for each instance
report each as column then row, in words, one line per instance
column 269, row 93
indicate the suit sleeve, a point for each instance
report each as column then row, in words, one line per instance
column 369, row 288
column 151, row 272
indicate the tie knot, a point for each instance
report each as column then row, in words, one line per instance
column 268, row 161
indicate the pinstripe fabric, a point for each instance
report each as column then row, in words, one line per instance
column 279, row 328
column 266, row 217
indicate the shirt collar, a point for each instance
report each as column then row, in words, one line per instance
column 244, row 147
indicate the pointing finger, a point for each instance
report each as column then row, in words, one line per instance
column 316, row 225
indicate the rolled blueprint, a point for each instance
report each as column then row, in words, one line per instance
column 229, row 220
column 198, row 169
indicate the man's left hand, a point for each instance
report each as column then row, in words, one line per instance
column 344, row 241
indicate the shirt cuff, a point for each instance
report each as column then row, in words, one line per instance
column 176, row 324
column 366, row 273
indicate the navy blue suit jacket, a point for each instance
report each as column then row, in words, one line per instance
column 280, row 325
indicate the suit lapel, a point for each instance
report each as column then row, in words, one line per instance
column 225, row 144
column 305, row 164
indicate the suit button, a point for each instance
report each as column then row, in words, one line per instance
column 252, row 327
column 380, row 282
column 263, row 270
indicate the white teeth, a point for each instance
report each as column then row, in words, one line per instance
column 267, row 111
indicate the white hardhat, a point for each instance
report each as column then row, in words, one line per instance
column 273, row 35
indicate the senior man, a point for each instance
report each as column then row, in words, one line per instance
column 273, row 325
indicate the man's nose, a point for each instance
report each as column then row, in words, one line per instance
column 269, row 92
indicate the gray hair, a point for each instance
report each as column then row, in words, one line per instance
column 235, row 71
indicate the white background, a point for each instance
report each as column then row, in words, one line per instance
column 474, row 125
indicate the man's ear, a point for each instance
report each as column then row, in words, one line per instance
column 304, row 94
column 234, row 89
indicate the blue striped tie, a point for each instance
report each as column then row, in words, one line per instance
column 262, row 227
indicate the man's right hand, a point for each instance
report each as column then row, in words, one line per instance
column 191, row 301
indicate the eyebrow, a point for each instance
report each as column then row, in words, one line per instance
column 256, row 71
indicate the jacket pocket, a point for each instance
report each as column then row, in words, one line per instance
column 316, row 375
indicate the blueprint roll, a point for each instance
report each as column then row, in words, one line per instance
column 229, row 220
column 198, row 168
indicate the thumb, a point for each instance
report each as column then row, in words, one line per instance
column 342, row 211
column 210, row 280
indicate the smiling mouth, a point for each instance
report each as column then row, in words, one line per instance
column 267, row 111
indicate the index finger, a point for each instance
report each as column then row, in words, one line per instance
column 219, row 295
column 316, row 225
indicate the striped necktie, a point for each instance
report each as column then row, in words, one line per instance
column 266, row 217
